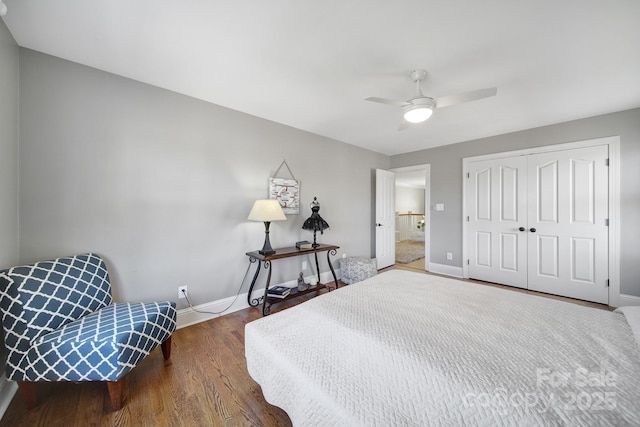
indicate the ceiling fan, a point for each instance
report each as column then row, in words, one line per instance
column 420, row 107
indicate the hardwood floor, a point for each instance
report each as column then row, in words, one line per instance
column 413, row 265
column 205, row 383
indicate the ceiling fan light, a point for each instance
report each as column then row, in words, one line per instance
column 417, row 114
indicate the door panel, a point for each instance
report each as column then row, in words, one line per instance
column 547, row 193
column 509, row 199
column 497, row 209
column 547, row 256
column 385, row 218
column 582, row 203
column 583, row 259
column 568, row 199
column 483, row 192
column 509, row 252
column 483, row 241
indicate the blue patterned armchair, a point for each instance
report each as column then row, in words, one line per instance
column 60, row 324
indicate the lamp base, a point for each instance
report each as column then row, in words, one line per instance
column 266, row 248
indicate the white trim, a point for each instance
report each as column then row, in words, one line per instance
column 626, row 300
column 447, row 270
column 546, row 148
column 188, row 316
column 614, row 201
column 427, row 216
column 8, row 389
column 614, row 221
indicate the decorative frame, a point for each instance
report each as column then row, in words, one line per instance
column 286, row 191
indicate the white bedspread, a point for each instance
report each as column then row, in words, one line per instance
column 409, row 349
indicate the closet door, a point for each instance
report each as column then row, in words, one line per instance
column 568, row 230
column 496, row 229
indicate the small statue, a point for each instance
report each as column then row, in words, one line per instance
column 315, row 222
column 302, row 286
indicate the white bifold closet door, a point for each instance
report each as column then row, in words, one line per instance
column 497, row 204
column 540, row 222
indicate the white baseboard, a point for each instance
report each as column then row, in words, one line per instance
column 8, row 389
column 188, row 316
column 207, row 311
column 626, row 300
column 447, row 270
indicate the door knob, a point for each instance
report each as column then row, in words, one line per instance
column 521, row 228
column 533, row 230
column 378, row 225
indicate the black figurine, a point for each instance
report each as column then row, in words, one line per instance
column 315, row 222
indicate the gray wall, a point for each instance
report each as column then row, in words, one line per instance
column 446, row 182
column 9, row 82
column 161, row 184
column 409, row 199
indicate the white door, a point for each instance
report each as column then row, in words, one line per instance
column 568, row 214
column 497, row 221
column 540, row 222
column 385, row 218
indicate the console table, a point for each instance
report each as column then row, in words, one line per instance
column 282, row 253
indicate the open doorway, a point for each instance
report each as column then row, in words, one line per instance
column 412, row 219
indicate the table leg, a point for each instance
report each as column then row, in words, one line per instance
column 317, row 266
column 266, row 307
column 332, row 252
column 256, row 301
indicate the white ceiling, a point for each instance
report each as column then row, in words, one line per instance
column 309, row 64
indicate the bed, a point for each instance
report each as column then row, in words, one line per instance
column 409, row 349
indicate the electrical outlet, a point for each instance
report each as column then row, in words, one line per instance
column 182, row 294
column 449, row 256
column 304, row 265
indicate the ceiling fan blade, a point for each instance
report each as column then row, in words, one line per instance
column 387, row 101
column 447, row 101
column 404, row 125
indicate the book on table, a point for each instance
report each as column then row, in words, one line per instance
column 304, row 244
column 279, row 291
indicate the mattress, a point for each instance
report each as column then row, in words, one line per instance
column 409, row 349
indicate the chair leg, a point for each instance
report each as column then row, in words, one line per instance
column 28, row 392
column 115, row 393
column 166, row 348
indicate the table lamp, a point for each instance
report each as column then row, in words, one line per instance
column 266, row 211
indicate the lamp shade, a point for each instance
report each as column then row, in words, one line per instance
column 266, row 211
